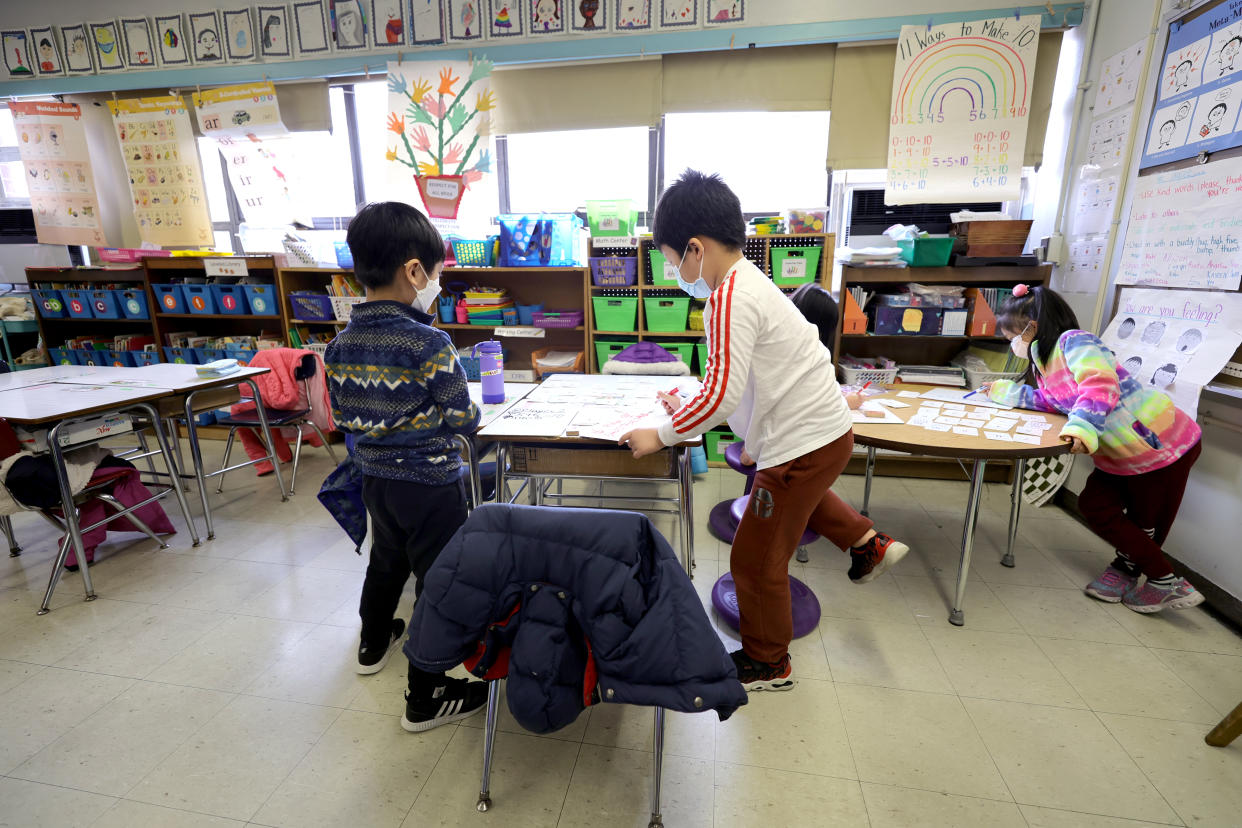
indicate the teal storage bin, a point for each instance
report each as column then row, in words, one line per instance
column 932, row 252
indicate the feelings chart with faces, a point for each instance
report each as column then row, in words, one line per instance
column 162, row 164
column 51, row 141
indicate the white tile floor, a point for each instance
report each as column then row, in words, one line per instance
column 213, row 686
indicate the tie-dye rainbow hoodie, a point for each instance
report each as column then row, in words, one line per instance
column 1128, row 428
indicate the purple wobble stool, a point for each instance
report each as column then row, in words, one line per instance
column 723, row 522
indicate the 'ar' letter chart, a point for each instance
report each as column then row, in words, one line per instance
column 961, row 97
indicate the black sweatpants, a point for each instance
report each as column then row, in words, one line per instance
column 410, row 524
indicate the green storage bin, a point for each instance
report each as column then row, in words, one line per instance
column 926, row 252
column 701, row 350
column 795, row 265
column 715, row 443
column 682, row 350
column 608, row 348
column 663, row 274
column 666, row 313
column 615, row 217
column 615, row 313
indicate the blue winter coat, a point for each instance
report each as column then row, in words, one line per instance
column 574, row 606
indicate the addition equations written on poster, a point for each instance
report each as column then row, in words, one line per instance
column 51, row 141
column 961, row 97
column 161, row 158
column 1175, row 340
column 1185, row 229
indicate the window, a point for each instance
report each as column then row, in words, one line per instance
column 772, row 160
column 13, row 189
column 559, row 171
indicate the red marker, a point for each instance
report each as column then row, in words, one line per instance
column 866, row 385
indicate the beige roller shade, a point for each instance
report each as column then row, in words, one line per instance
column 580, row 96
column 778, row 79
column 862, row 89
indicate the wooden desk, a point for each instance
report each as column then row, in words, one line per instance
column 916, row 440
column 57, row 405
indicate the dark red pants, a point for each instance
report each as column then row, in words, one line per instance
column 786, row 500
column 1135, row 512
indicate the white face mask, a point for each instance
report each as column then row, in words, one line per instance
column 425, row 297
column 1020, row 347
column 698, row 288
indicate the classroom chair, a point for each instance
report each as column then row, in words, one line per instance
column 277, row 418
column 1228, row 729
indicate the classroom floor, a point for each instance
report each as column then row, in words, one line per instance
column 215, row 687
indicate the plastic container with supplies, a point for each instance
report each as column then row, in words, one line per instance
column 230, row 299
column 311, row 307
column 134, row 304
column 695, row 321
column 662, row 272
column 50, row 303
column 666, row 313
column 715, row 443
column 615, row 313
column 862, row 376
column 700, row 357
column 682, row 350
column 614, row 271
column 526, row 313
column 344, row 258
column 242, row 356
column 78, row 302
column 200, row 299
column 61, row 356
column 202, row 356
column 606, row 349
column 118, row 359
column 169, row 298
column 541, row 240
column 795, row 265
column 614, row 217
column 93, row 357
column 491, row 370
column 542, row 362
column 180, row 356
column 472, row 252
column 445, row 305
column 557, row 319
column 808, row 220
column 104, row 304
column 142, row 358
column 929, row 252
column 261, row 299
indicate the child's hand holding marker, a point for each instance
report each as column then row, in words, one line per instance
column 670, row 400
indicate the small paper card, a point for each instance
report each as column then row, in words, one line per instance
column 954, row 407
column 908, row 394
column 937, row 427
column 891, row 403
column 966, row 430
column 949, row 421
column 1026, row 438
column 977, row 415
column 1006, row 415
column 997, row 435
column 1026, row 429
column 999, row 425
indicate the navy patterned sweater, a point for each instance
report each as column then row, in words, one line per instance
column 397, row 385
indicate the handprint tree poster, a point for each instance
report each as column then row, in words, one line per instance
column 439, row 122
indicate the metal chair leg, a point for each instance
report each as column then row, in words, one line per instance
column 803, row 556
column 6, row 525
column 228, row 449
column 133, row 518
column 297, row 455
column 1228, row 729
column 489, row 745
column 324, row 440
column 657, row 819
column 142, row 443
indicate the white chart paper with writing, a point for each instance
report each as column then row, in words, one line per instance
column 1175, row 341
column 1185, row 229
column 961, row 96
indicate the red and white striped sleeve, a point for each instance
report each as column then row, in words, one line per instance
column 732, row 327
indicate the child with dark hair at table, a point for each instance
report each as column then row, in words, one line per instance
column 1143, row 445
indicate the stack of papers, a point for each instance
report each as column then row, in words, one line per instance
column 886, row 256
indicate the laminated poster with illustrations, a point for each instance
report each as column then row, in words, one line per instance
column 51, row 140
column 961, row 98
column 161, row 158
column 1175, row 341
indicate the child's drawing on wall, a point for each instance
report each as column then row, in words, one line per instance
column 633, row 14
column 77, row 48
column 546, row 15
column 17, row 54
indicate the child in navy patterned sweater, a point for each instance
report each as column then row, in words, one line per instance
column 398, row 387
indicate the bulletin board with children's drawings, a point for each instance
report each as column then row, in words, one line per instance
column 161, row 158
column 51, row 141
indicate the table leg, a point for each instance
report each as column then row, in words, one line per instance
column 472, row 465
column 956, row 618
column 174, row 472
column 196, row 457
column 685, row 479
column 502, row 459
column 267, row 437
column 866, row 505
column 72, row 527
column 1015, row 509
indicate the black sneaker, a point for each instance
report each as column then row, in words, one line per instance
column 760, row 675
column 372, row 659
column 452, row 701
column 875, row 557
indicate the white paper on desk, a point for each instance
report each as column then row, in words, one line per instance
column 602, row 422
column 998, row 435
column 954, row 395
column 908, row 394
column 870, row 413
column 976, row 415
column 532, row 418
column 891, row 403
column 937, row 427
column 999, row 425
column 1028, row 428
column 954, row 407
column 931, row 404
column 1026, row 438
column 920, row 420
column 966, row 430
column 1005, row 415
column 949, row 421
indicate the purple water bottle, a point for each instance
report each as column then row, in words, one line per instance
column 491, row 370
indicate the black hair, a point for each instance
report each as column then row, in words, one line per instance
column 272, row 20
column 1168, row 368
column 1189, row 63
column 1220, row 105
column 208, row 31
column 698, row 205
column 385, row 235
column 1169, row 123
column 43, row 41
column 1043, row 306
column 1231, row 40
column 820, row 309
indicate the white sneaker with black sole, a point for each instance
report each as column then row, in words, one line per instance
column 452, row 701
column 372, row 659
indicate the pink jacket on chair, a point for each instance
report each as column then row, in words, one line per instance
column 281, row 390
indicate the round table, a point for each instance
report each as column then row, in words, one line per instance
column 978, row 449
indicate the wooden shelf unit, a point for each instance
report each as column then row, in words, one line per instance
column 757, row 249
column 177, row 268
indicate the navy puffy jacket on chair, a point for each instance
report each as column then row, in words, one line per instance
column 574, row 606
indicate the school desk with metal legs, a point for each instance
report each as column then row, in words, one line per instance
column 58, row 406
column 914, row 440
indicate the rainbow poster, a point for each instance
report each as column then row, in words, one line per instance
column 961, row 96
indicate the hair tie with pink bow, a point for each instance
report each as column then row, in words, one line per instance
column 1021, row 290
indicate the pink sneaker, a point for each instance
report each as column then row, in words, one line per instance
column 1151, row 598
column 1111, row 585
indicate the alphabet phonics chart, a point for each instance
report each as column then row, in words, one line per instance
column 961, row 97
column 51, row 141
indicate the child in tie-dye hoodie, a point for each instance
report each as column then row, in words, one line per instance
column 1142, row 444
